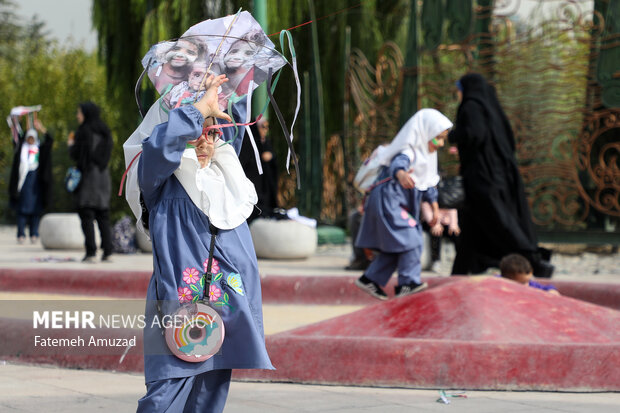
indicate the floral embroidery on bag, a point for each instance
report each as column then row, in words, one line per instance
column 217, row 296
column 198, row 289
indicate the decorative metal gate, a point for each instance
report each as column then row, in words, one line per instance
column 557, row 73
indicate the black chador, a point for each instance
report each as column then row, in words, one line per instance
column 496, row 219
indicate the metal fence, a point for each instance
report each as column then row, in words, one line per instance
column 557, row 73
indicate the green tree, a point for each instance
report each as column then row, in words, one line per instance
column 35, row 70
column 127, row 28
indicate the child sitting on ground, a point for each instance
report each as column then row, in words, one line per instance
column 517, row 268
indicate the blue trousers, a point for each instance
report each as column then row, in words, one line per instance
column 33, row 225
column 408, row 264
column 204, row 393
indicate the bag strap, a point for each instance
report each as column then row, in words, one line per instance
column 208, row 276
column 376, row 184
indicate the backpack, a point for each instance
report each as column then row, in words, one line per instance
column 369, row 171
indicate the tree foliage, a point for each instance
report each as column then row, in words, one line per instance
column 35, row 70
column 127, row 28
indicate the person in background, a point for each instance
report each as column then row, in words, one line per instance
column 495, row 220
column 266, row 184
column 390, row 223
column 360, row 259
column 446, row 225
column 517, row 268
column 91, row 149
column 30, row 184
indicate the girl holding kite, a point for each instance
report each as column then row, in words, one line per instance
column 194, row 187
column 31, row 180
column 186, row 186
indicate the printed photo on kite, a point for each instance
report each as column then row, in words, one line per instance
column 170, row 63
column 177, row 68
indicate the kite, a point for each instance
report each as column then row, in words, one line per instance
column 234, row 45
column 13, row 119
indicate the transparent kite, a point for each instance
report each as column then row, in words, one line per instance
column 13, row 119
column 234, row 45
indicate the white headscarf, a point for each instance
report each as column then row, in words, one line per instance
column 412, row 140
column 221, row 190
column 28, row 158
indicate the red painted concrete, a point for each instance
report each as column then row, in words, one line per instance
column 419, row 363
column 607, row 295
column 130, row 284
column 480, row 333
column 329, row 290
column 471, row 333
column 478, row 309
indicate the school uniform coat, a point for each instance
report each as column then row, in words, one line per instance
column 392, row 213
column 181, row 235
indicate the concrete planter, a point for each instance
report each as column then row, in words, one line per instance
column 285, row 239
column 63, row 231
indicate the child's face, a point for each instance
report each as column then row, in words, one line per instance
column 238, row 54
column 205, row 144
column 438, row 142
column 182, row 53
column 523, row 277
column 195, row 78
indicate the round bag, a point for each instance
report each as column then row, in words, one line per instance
column 195, row 332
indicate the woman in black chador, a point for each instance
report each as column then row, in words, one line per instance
column 496, row 218
column 91, row 149
column 266, row 184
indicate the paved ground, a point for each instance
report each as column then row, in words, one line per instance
column 25, row 388
column 579, row 265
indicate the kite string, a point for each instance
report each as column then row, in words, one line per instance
column 320, row 18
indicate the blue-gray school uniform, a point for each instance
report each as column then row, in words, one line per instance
column 180, row 235
column 391, row 226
